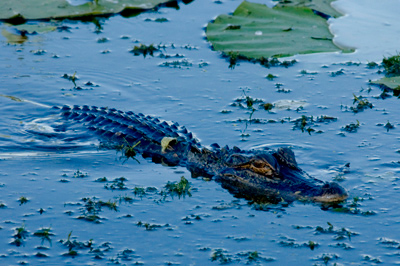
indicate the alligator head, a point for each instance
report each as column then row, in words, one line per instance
column 274, row 175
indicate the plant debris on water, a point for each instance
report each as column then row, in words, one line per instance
column 362, row 103
column 93, row 207
column 352, row 127
column 144, row 50
column 44, row 234
column 180, row 189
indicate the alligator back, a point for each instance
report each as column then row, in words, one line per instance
column 150, row 136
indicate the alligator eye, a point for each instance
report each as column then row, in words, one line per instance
column 258, row 164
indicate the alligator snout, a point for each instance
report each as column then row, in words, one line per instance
column 331, row 192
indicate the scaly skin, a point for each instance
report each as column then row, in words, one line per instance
column 259, row 175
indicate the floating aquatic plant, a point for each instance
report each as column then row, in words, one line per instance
column 17, row 11
column 256, row 31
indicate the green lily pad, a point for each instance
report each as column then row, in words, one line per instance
column 13, row 38
column 391, row 82
column 35, row 28
column 322, row 6
column 58, row 9
column 257, row 31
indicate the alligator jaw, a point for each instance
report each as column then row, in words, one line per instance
column 331, row 193
column 296, row 185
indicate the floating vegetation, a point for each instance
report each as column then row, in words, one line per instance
column 221, row 256
column 73, row 78
column 337, row 73
column 371, row 259
column 189, row 219
column 38, row 52
column 353, row 208
column 340, row 234
column 293, row 244
column 139, row 192
column 151, row 227
column 254, row 257
column 233, row 57
column 44, row 234
column 252, row 31
column 361, row 102
column 392, row 65
column 180, row 189
column 51, row 9
column 388, row 126
column 177, row 63
column 162, row 55
column 342, row 245
column 372, row 64
column 101, row 179
column 327, row 257
column 22, row 200
column 125, row 198
column 306, row 72
column 352, row 127
column 271, row 77
column 74, row 245
column 103, row 40
column 125, row 255
column 159, row 20
column 144, row 50
column 305, row 123
column 268, row 106
column 92, row 208
column 116, row 184
column 20, row 234
column 391, row 80
column 127, row 150
column 389, row 243
column 79, row 174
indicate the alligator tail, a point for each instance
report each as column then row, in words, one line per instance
column 162, row 141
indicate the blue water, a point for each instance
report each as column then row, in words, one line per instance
column 33, row 166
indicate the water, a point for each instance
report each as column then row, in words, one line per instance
column 193, row 230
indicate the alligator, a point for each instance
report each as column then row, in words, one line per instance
column 265, row 175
